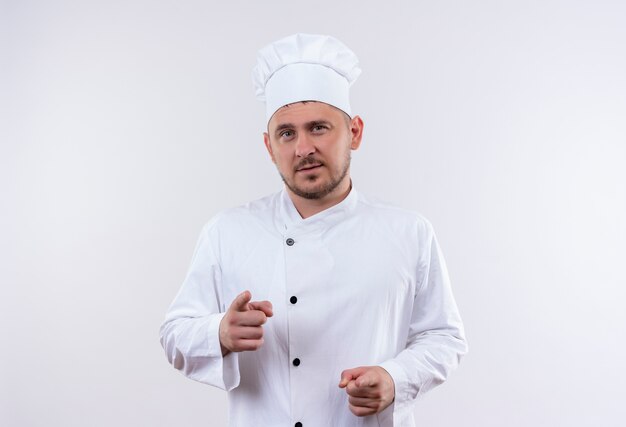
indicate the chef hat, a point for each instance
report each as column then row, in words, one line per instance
column 305, row 67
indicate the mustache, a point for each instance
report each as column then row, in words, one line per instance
column 308, row 161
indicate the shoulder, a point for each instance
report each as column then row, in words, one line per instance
column 242, row 216
column 393, row 215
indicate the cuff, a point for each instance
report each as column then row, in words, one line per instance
column 402, row 406
column 229, row 364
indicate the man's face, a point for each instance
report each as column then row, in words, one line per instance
column 310, row 144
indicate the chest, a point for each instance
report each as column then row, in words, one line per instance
column 333, row 269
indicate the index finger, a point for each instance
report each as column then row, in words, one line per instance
column 241, row 301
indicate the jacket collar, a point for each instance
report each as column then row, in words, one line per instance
column 292, row 222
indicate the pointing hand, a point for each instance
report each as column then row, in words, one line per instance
column 370, row 389
column 240, row 328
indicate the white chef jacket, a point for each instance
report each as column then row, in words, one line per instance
column 371, row 288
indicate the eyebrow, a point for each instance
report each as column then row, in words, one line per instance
column 310, row 124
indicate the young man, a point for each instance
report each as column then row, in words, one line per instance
column 353, row 316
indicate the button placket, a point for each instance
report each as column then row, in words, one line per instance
column 298, row 251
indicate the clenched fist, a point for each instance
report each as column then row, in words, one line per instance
column 240, row 328
column 371, row 389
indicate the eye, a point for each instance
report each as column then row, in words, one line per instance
column 285, row 134
column 319, row 128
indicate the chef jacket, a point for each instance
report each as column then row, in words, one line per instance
column 361, row 283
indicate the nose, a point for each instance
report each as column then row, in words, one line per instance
column 304, row 146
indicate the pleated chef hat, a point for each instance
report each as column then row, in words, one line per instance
column 305, row 67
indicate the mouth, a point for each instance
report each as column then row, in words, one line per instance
column 309, row 168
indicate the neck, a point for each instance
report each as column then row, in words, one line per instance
column 309, row 207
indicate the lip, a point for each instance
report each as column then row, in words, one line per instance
column 309, row 168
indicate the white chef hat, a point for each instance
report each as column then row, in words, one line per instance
column 305, row 67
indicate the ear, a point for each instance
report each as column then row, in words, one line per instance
column 356, row 130
column 268, row 146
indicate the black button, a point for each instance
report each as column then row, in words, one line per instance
column 293, row 300
column 290, row 241
column 298, row 424
column 296, row 362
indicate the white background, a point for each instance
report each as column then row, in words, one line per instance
column 125, row 125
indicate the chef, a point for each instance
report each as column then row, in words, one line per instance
column 317, row 305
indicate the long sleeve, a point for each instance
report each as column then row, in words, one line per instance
column 436, row 340
column 190, row 333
